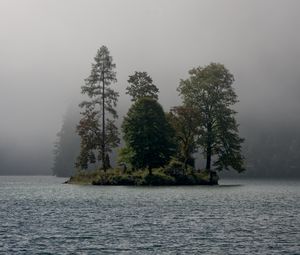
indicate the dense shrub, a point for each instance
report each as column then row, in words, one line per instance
column 160, row 177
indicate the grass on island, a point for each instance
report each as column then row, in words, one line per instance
column 159, row 177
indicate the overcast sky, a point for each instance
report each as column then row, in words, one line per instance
column 47, row 46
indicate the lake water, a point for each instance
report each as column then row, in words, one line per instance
column 39, row 215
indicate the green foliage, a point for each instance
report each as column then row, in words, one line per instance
column 98, row 139
column 125, row 156
column 148, row 135
column 175, row 167
column 137, row 178
column 185, row 121
column 84, row 177
column 140, row 86
column 159, row 177
column 186, row 176
column 209, row 90
column 151, row 137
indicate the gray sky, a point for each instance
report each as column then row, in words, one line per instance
column 47, row 46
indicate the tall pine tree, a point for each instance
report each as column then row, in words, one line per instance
column 97, row 128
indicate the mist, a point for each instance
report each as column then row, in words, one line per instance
column 47, row 48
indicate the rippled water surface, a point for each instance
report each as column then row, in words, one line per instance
column 39, row 215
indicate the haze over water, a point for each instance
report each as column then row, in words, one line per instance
column 39, row 215
column 47, row 48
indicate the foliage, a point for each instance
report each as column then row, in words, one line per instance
column 137, row 178
column 141, row 177
column 125, row 156
column 209, row 89
column 185, row 121
column 84, row 177
column 148, row 135
column 159, row 178
column 187, row 176
column 140, row 86
column 97, row 140
column 175, row 167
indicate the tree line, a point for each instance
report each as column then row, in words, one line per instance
column 205, row 122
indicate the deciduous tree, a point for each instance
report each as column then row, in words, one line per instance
column 141, row 85
column 209, row 90
column 185, row 121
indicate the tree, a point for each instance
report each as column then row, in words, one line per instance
column 141, row 85
column 185, row 121
column 96, row 137
column 209, row 89
column 66, row 147
column 148, row 135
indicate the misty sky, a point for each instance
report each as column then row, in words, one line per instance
column 47, row 47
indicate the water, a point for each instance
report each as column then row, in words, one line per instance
column 39, row 215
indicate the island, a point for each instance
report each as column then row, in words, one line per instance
column 159, row 147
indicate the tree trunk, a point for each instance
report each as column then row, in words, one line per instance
column 103, row 126
column 150, row 170
column 107, row 162
column 208, row 164
column 208, row 153
column 186, row 157
column 208, row 158
column 185, row 163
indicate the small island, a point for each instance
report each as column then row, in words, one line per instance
column 159, row 147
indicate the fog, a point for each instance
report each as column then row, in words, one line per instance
column 47, row 47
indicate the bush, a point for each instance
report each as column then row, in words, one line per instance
column 174, row 168
column 159, row 179
column 122, row 180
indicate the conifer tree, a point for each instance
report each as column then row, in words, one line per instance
column 97, row 128
column 148, row 135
